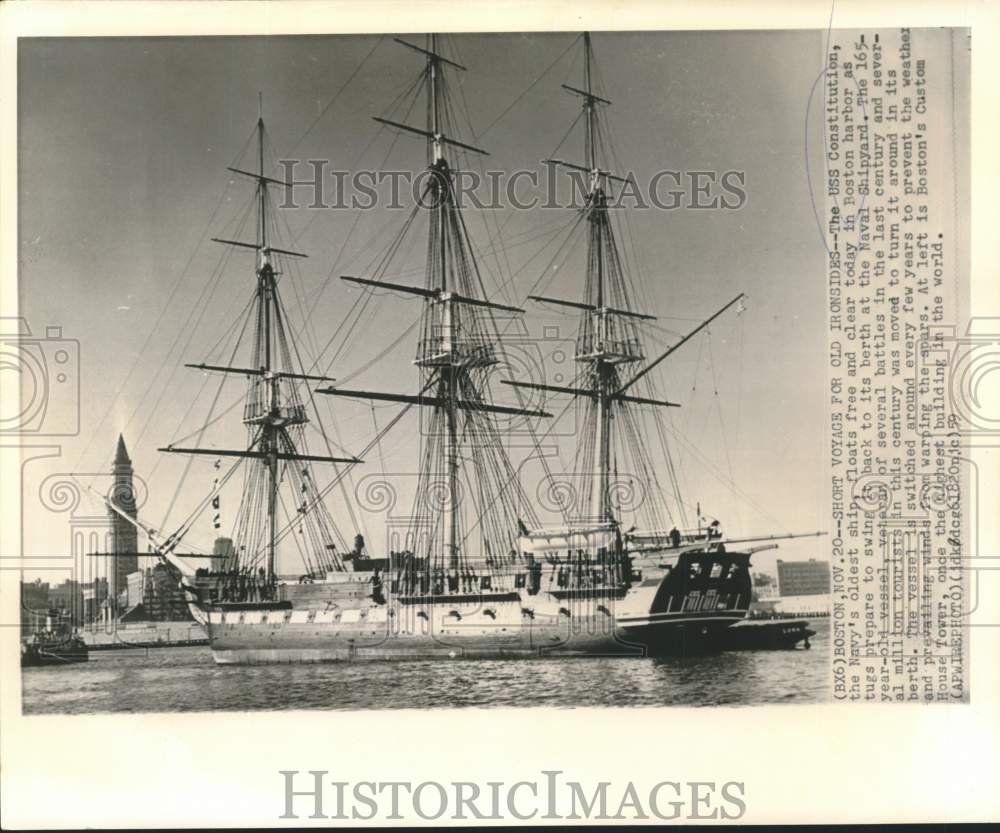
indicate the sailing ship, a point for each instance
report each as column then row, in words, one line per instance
column 480, row 577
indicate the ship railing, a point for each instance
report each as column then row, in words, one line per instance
column 440, row 350
column 257, row 412
column 612, row 349
column 664, row 536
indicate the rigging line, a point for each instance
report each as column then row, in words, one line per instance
column 718, row 407
column 201, row 434
column 607, row 139
column 381, row 455
column 671, row 466
column 636, row 429
column 303, row 555
column 689, row 415
column 318, row 527
column 243, row 316
column 464, row 243
column 497, row 246
column 363, row 299
column 419, row 317
column 487, row 427
column 408, row 90
column 322, row 430
column 513, row 476
column 293, row 272
column 658, row 333
column 156, row 324
column 575, row 381
column 200, row 306
column 722, row 478
column 542, row 230
column 229, row 330
column 552, row 236
column 528, row 89
column 326, row 489
column 379, row 270
column 739, row 375
column 378, row 133
column 567, row 134
column 342, row 380
column 580, row 217
column 186, row 524
column 360, row 300
column 337, row 95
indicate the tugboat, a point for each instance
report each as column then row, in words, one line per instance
column 480, row 576
column 56, row 645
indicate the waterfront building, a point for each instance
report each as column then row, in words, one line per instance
column 803, row 578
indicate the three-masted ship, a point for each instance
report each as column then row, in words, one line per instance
column 480, row 577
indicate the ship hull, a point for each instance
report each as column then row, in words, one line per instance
column 248, row 645
column 680, row 608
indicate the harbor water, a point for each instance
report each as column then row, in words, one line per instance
column 187, row 680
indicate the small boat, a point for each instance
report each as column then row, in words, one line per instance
column 53, row 647
column 766, row 635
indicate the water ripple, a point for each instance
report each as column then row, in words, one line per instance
column 186, row 679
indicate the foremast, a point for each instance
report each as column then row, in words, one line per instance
column 274, row 413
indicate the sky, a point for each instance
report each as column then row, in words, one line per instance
column 123, row 149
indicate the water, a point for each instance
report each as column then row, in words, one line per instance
column 186, row 679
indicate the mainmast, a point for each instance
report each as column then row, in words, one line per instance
column 601, row 358
column 447, row 358
column 458, row 346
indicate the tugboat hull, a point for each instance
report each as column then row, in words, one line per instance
column 60, row 653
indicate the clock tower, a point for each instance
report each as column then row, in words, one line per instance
column 124, row 539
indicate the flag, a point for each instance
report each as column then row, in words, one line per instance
column 217, row 520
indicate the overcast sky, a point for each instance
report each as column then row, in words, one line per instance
column 123, row 150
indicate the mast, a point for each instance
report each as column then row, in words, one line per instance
column 265, row 278
column 601, row 357
column 607, row 335
column 608, row 338
column 455, row 354
column 449, row 376
column 599, row 499
column 274, row 413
